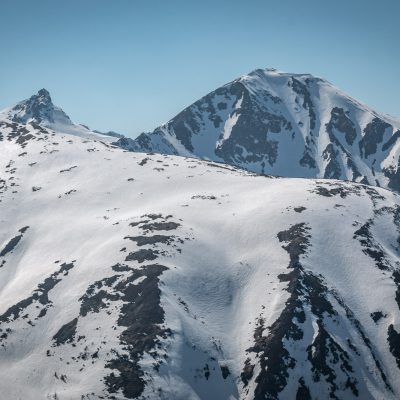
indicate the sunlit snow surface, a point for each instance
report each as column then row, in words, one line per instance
column 129, row 275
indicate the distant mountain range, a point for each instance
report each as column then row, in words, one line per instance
column 283, row 124
column 268, row 122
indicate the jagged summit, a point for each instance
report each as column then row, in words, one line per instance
column 39, row 109
column 43, row 92
column 286, row 124
column 41, row 98
column 44, row 95
column 274, row 71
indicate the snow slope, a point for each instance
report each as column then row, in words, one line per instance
column 293, row 125
column 128, row 275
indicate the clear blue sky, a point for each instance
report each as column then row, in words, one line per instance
column 130, row 65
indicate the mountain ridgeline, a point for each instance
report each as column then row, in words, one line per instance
column 293, row 125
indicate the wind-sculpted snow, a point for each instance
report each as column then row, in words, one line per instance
column 145, row 276
column 293, row 125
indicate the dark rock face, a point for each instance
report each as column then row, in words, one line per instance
column 307, row 160
column 142, row 316
column 66, row 333
column 391, row 142
column 20, row 133
column 297, row 240
column 247, row 373
column 145, row 143
column 333, row 169
column 160, row 226
column 225, row 371
column 370, row 247
column 393, row 173
column 249, row 139
column 97, row 295
column 341, row 122
column 187, row 123
column 323, row 347
column 303, row 393
column 332, row 189
column 142, row 255
column 377, row 316
column 13, row 242
column 396, row 279
column 394, row 343
column 373, row 135
column 332, row 152
column 145, row 240
column 304, row 98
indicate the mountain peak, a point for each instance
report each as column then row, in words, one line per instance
column 38, row 104
column 38, row 108
column 287, row 124
column 264, row 70
column 43, row 93
column 273, row 72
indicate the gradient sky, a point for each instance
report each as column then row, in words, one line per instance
column 130, row 65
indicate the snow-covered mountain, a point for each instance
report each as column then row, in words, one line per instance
column 40, row 110
column 293, row 125
column 128, row 275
